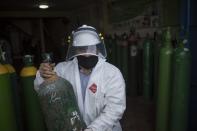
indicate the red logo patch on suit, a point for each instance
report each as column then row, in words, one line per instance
column 93, row 88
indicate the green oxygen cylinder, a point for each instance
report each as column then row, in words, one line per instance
column 33, row 114
column 59, row 104
column 7, row 116
column 164, row 84
column 148, row 69
column 15, row 91
column 181, row 85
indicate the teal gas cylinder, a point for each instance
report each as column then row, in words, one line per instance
column 164, row 84
column 181, row 85
column 147, row 69
column 33, row 114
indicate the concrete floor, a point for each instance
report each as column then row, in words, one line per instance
column 139, row 115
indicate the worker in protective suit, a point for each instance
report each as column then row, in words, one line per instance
column 99, row 87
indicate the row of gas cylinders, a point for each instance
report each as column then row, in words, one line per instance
column 19, row 104
column 159, row 72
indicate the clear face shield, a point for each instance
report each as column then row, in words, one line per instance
column 97, row 50
column 86, row 41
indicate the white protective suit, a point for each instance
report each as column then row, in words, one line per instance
column 102, row 109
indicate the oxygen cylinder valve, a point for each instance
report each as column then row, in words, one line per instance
column 47, row 57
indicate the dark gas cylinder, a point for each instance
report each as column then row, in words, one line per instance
column 118, row 52
column 124, row 59
column 108, row 46
column 133, row 69
column 148, row 69
column 157, row 45
column 133, row 63
column 113, row 51
column 59, row 105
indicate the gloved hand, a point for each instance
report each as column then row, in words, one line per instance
column 88, row 129
column 46, row 70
